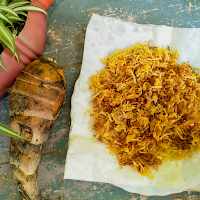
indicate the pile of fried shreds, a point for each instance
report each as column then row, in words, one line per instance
column 146, row 107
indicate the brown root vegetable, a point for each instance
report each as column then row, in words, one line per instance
column 37, row 97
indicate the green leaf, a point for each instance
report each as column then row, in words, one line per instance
column 22, row 13
column 8, row 46
column 7, row 36
column 14, row 18
column 15, row 4
column 7, row 131
column 4, row 2
column 9, row 10
column 1, row 64
column 29, row 8
column 3, row 17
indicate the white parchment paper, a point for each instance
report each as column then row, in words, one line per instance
column 88, row 159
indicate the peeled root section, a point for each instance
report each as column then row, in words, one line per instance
column 27, row 184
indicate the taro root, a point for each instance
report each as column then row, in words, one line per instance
column 37, row 97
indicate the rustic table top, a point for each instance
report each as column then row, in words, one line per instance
column 67, row 21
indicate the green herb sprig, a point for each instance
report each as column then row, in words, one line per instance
column 9, row 13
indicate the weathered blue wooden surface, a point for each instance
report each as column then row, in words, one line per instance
column 67, row 22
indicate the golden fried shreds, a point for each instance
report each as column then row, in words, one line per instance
column 146, row 107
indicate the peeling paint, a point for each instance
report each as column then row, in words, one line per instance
column 190, row 6
column 47, row 193
column 92, row 10
column 146, row 11
column 6, row 153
